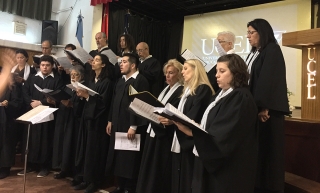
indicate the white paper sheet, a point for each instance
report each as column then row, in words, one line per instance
column 123, row 143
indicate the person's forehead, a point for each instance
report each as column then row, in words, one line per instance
column 45, row 62
column 221, row 37
column 45, row 43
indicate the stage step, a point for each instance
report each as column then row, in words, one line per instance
column 298, row 184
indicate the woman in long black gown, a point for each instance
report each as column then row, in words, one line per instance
column 226, row 145
column 155, row 175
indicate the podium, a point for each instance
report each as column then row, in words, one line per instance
column 309, row 42
column 40, row 114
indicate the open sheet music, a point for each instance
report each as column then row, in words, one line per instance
column 56, row 95
column 145, row 96
column 80, row 54
column 123, row 143
column 187, row 55
column 78, row 85
column 174, row 114
column 37, row 115
column 143, row 109
column 64, row 62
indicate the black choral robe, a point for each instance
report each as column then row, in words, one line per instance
column 93, row 141
column 183, row 162
column 151, row 69
column 155, row 171
column 8, row 126
column 228, row 152
column 269, row 89
column 120, row 162
column 41, row 135
column 66, row 133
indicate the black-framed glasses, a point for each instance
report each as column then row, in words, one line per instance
column 250, row 32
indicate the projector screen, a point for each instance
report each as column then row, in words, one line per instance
column 285, row 16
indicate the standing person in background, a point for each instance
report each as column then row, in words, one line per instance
column 93, row 142
column 125, row 164
column 150, row 68
column 268, row 86
column 10, row 105
column 226, row 40
column 155, row 175
column 126, row 44
column 194, row 101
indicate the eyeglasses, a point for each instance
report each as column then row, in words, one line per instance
column 141, row 50
column 221, row 41
column 250, row 32
column 45, row 48
column 76, row 75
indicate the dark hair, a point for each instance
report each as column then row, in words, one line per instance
column 107, row 71
column 129, row 43
column 265, row 32
column 133, row 58
column 238, row 68
column 47, row 58
column 73, row 47
column 23, row 52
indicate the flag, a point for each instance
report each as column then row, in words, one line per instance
column 79, row 33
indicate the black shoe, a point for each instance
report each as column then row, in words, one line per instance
column 81, row 186
column 4, row 172
column 28, row 170
column 60, row 175
column 43, row 173
column 118, row 190
column 91, row 188
column 75, row 182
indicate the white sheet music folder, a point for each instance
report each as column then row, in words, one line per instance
column 37, row 115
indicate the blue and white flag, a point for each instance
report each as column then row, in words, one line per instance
column 79, row 33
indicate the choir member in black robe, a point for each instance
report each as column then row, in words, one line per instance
column 226, row 145
column 93, row 141
column 124, row 164
column 195, row 99
column 150, row 68
column 155, row 175
column 67, row 127
column 269, row 89
column 10, row 105
column 41, row 135
column 21, row 72
column 125, row 44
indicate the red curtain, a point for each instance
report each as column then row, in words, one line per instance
column 96, row 2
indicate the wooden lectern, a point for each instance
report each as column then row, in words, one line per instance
column 309, row 42
column 302, row 136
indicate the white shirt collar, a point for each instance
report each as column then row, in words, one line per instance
column 43, row 77
column 141, row 60
column 134, row 75
column 103, row 48
column 231, row 51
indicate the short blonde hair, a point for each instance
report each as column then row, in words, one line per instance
column 177, row 65
column 200, row 76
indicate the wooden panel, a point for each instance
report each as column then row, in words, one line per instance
column 30, row 53
column 298, row 184
column 302, row 148
column 302, row 38
column 310, row 105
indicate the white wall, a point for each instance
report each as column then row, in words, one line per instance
column 33, row 32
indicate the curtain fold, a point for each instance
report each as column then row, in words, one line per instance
column 34, row 9
column 96, row 2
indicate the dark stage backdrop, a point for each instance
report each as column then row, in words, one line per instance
column 163, row 37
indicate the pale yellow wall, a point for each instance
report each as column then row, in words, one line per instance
column 284, row 16
column 96, row 24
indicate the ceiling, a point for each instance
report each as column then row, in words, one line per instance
column 173, row 9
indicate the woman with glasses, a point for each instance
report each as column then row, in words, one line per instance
column 66, row 128
column 268, row 86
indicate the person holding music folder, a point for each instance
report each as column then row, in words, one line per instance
column 155, row 170
column 268, row 86
column 67, row 126
column 226, row 144
column 124, row 164
column 10, row 106
column 194, row 100
column 41, row 135
column 92, row 143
